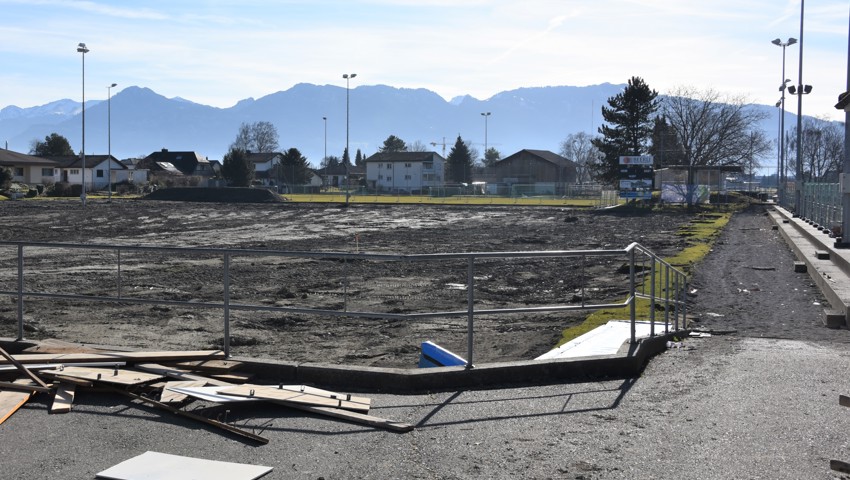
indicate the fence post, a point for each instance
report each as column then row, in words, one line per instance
column 227, row 304
column 632, row 292
column 20, row 292
column 666, row 298
column 470, row 306
column 652, row 298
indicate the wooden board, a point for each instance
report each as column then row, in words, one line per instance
column 114, row 376
column 178, row 374
column 216, row 366
column 50, row 366
column 171, row 396
column 210, row 394
column 233, row 377
column 162, row 466
column 12, row 400
column 839, row 466
column 844, row 400
column 355, row 417
column 117, row 356
column 64, row 398
column 286, row 396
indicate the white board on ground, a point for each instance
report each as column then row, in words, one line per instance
column 603, row 340
column 163, row 466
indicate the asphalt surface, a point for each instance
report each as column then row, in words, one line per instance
column 745, row 405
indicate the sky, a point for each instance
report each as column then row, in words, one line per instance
column 219, row 52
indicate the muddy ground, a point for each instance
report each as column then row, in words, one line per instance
column 304, row 282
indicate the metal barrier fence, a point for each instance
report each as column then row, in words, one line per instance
column 649, row 278
column 821, row 203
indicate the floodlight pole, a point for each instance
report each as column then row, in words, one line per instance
column 109, row 135
column 81, row 48
column 347, row 77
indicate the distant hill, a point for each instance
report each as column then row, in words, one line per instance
column 144, row 121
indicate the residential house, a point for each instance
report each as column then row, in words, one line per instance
column 535, row 172
column 264, row 164
column 30, row 169
column 98, row 168
column 409, row 172
column 167, row 163
column 336, row 176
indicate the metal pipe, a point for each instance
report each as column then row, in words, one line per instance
column 227, row 305
column 470, row 305
column 20, row 292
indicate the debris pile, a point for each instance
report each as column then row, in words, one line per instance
column 166, row 380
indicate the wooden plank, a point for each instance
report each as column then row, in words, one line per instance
column 355, row 417
column 12, row 400
column 80, row 382
column 210, row 394
column 114, row 376
column 839, row 466
column 171, row 396
column 67, row 358
column 216, row 366
column 64, row 398
column 22, row 368
column 279, row 394
column 27, row 386
column 844, row 400
column 178, row 374
column 234, row 377
column 51, row 366
column 208, row 421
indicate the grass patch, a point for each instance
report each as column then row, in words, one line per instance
column 457, row 200
column 702, row 231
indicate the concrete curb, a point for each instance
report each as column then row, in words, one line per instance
column 828, row 267
column 629, row 362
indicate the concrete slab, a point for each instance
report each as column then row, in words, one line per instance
column 828, row 266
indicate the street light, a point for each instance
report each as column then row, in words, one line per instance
column 485, row 115
column 82, row 49
column 347, row 77
column 780, row 173
column 109, row 134
column 798, row 190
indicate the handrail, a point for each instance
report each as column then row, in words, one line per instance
column 633, row 252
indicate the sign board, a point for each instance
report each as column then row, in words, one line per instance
column 636, row 176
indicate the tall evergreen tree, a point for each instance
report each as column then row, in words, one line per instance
column 459, row 163
column 236, row 168
column 359, row 158
column 393, row 144
column 346, row 160
column 54, row 145
column 293, row 168
column 628, row 126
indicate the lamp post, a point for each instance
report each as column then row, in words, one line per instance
column 347, row 77
column 109, row 135
column 81, row 48
column 800, row 90
column 485, row 115
column 780, row 172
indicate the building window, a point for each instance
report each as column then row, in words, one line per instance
column 389, row 179
column 75, row 171
column 380, row 165
column 408, row 165
column 408, row 177
column 100, row 174
column 380, row 177
column 46, row 172
column 427, row 165
column 19, row 172
column 390, row 166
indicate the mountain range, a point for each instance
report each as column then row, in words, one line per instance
column 143, row 121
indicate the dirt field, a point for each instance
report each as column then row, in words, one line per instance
column 394, row 287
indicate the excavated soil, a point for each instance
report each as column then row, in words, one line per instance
column 351, row 285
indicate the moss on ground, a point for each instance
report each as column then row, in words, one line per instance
column 701, row 232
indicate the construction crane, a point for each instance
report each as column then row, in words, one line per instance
column 443, row 144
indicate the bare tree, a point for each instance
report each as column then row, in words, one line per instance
column 265, row 137
column 715, row 129
column 822, row 149
column 418, row 146
column 257, row 137
column 579, row 148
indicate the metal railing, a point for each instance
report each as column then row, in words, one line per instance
column 649, row 278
